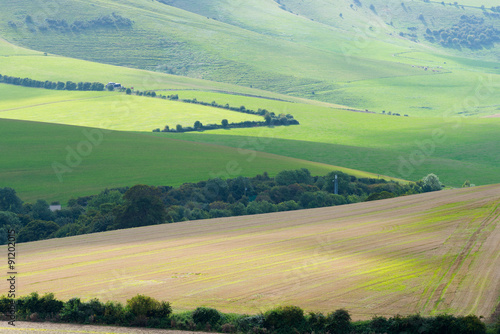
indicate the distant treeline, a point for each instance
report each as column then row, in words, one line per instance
column 59, row 85
column 270, row 118
column 113, row 21
column 145, row 311
column 143, row 205
column 470, row 32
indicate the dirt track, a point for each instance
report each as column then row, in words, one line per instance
column 50, row 328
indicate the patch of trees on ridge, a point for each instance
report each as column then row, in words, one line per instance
column 68, row 85
column 470, row 32
column 270, row 118
column 145, row 311
column 112, row 21
column 144, row 205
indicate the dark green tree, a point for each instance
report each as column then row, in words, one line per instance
column 60, row 85
column 9, row 200
column 41, row 210
column 197, row 125
column 37, row 230
column 143, row 207
column 339, row 322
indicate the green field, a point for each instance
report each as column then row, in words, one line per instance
column 445, row 132
column 108, row 110
column 456, row 149
column 116, row 159
column 358, row 60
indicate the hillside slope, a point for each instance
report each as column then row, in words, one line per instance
column 429, row 253
column 357, row 60
column 55, row 162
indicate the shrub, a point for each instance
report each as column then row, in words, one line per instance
column 43, row 306
column 471, row 324
column 228, row 328
column 245, row 324
column 316, row 322
column 339, row 322
column 146, row 306
column 206, row 315
column 284, row 318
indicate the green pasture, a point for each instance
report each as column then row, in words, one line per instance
column 110, row 110
column 455, row 148
column 355, row 60
column 56, row 162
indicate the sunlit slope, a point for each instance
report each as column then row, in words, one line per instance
column 455, row 148
column 427, row 254
column 258, row 44
column 56, row 162
column 109, row 110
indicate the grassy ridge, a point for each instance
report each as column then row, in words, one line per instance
column 349, row 61
column 119, row 159
column 428, row 253
column 464, row 148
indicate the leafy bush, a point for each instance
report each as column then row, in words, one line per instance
column 146, row 306
column 339, row 322
column 246, row 324
column 206, row 315
column 284, row 319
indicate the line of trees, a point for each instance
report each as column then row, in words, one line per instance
column 111, row 21
column 59, row 85
column 145, row 311
column 143, row 205
column 270, row 118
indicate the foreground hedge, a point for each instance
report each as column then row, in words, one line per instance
column 144, row 311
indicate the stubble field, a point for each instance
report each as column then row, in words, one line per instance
column 430, row 253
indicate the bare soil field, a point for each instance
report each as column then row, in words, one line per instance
column 51, row 328
column 429, row 253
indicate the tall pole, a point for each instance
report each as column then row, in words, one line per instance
column 336, row 185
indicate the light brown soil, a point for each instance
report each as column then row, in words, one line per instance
column 51, row 328
column 429, row 253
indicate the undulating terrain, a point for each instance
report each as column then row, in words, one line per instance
column 387, row 89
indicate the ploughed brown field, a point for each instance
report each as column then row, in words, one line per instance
column 430, row 253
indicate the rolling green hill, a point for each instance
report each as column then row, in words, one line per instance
column 56, row 162
column 287, row 47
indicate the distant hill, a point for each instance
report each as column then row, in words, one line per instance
column 282, row 46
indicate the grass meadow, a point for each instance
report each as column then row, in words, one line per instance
column 117, row 159
column 429, row 253
column 454, row 148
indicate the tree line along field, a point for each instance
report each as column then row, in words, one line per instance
column 88, row 160
column 402, row 147
column 429, row 253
